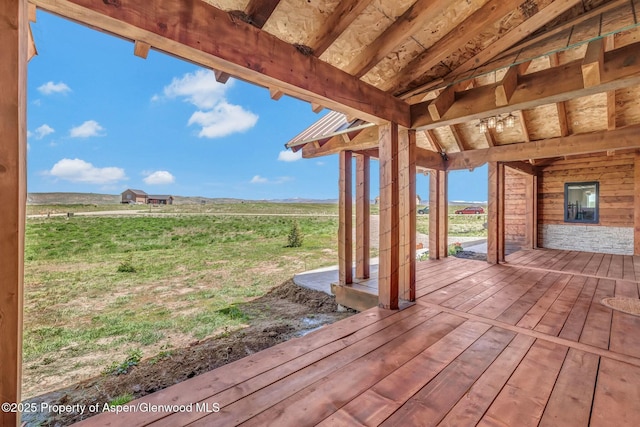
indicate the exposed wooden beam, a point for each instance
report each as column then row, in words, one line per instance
column 364, row 140
column 14, row 35
column 523, row 125
column 516, row 34
column 508, row 84
column 491, row 140
column 587, row 143
column 342, row 16
column 433, row 140
column 32, row 50
column 622, row 69
column 345, row 223
column 221, row 76
column 561, row 107
column 457, row 137
column 259, row 11
column 32, row 12
column 470, row 28
column 438, row 214
column 316, row 108
column 414, row 18
column 275, row 94
column 442, row 102
column 593, row 63
column 428, row 159
column 495, row 210
column 388, row 268
column 363, row 216
column 407, row 214
column 141, row 49
column 524, row 167
column 200, row 33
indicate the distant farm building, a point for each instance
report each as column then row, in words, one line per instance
column 134, row 196
column 139, row 196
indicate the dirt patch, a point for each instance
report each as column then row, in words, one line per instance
column 286, row 312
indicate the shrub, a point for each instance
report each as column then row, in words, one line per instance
column 455, row 248
column 295, row 237
column 126, row 266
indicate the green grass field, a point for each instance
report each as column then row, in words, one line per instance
column 98, row 287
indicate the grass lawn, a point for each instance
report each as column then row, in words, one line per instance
column 99, row 288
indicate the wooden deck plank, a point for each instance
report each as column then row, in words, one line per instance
column 628, row 269
column 603, row 268
column 636, row 267
column 625, row 327
column 322, row 398
column 575, row 322
column 431, row 404
column 540, row 308
column 470, row 409
column 380, row 401
column 445, row 278
column 473, row 296
column 553, row 320
column 562, row 262
column 617, row 395
column 578, row 263
column 570, row 401
column 598, row 324
column 468, row 284
column 522, row 400
column 275, row 387
column 496, row 304
column 592, row 267
column 616, row 269
column 518, row 309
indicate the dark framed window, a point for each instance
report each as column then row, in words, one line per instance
column 581, row 200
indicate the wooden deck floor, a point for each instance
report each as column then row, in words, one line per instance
column 526, row 343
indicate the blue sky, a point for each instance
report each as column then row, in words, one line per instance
column 102, row 120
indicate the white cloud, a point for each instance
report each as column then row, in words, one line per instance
column 43, row 131
column 77, row 170
column 159, row 177
column 223, row 120
column 216, row 116
column 257, row 179
column 289, row 156
column 87, row 129
column 51, row 88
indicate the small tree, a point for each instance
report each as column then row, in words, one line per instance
column 295, row 236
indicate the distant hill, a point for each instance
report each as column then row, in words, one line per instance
column 110, row 199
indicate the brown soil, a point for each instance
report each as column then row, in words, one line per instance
column 286, row 312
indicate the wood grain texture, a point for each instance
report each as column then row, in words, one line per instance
column 345, row 220
column 363, row 216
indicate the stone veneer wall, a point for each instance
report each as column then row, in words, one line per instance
column 588, row 238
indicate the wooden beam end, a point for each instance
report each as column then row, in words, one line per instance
column 141, row 49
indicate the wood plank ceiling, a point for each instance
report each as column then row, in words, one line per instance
column 567, row 70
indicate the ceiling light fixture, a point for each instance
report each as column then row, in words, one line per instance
column 497, row 122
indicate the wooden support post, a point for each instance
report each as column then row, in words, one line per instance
column 407, row 181
column 141, row 49
column 443, row 212
column 636, row 206
column 389, row 216
column 593, row 63
column 13, row 108
column 434, row 215
column 495, row 232
column 363, row 216
column 345, row 226
column 530, row 208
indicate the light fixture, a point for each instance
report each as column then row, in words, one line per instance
column 497, row 123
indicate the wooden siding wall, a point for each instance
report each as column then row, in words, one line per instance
column 515, row 208
column 615, row 175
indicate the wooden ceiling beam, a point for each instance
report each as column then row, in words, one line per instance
column 366, row 139
column 611, row 110
column 587, row 143
column 433, row 140
column 593, row 63
column 200, row 33
column 457, row 137
column 141, row 49
column 553, row 85
column 343, row 15
column 456, row 39
column 275, row 93
column 517, row 34
column 259, row 12
column 525, row 167
column 561, row 107
column 491, row 140
column 523, row 125
column 508, row 84
column 413, row 19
